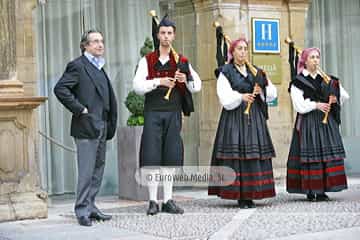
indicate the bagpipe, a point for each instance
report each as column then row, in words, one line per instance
column 182, row 66
column 223, row 43
column 294, row 53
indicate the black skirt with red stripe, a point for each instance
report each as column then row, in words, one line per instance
column 243, row 143
column 316, row 157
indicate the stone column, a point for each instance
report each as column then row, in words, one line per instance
column 8, row 82
column 20, row 194
column 229, row 15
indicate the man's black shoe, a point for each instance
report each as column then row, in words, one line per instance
column 322, row 197
column 170, row 207
column 153, row 208
column 84, row 221
column 311, row 197
column 100, row 216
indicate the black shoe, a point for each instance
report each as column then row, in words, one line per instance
column 322, row 197
column 250, row 203
column 84, row 221
column 170, row 207
column 100, row 216
column 153, row 208
column 243, row 204
column 311, row 197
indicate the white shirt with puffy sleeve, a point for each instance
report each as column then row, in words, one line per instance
column 141, row 85
column 302, row 105
column 231, row 99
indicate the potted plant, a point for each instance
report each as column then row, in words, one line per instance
column 135, row 104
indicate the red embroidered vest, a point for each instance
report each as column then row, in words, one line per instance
column 154, row 100
column 152, row 60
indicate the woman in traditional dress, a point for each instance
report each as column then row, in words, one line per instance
column 242, row 141
column 316, row 158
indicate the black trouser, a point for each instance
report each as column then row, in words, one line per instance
column 161, row 143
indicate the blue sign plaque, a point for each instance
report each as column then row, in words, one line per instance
column 265, row 35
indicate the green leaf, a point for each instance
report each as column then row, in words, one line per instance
column 135, row 103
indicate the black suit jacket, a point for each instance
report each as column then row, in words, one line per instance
column 77, row 89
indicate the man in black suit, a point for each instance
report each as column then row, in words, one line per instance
column 86, row 91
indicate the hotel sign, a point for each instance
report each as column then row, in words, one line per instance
column 265, row 35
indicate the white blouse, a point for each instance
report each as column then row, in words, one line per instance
column 231, row 99
column 302, row 105
column 141, row 85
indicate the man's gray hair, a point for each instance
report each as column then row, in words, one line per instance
column 85, row 38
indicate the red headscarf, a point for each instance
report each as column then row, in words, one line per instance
column 233, row 45
column 304, row 55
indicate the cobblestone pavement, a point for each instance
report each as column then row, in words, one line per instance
column 287, row 216
column 202, row 218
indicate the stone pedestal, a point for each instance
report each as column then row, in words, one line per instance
column 128, row 157
column 20, row 195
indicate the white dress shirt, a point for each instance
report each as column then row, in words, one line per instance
column 141, row 85
column 98, row 62
column 302, row 105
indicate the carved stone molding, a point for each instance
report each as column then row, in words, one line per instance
column 7, row 103
column 11, row 87
column 13, row 150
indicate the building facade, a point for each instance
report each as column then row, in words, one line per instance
column 46, row 33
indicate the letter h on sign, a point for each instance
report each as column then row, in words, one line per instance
column 265, row 29
column 265, row 35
